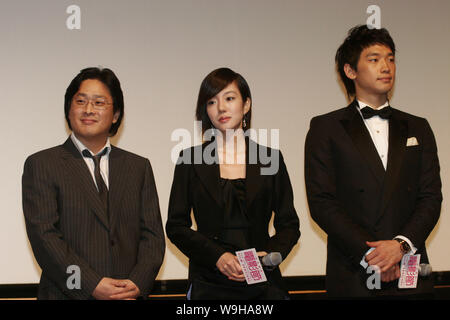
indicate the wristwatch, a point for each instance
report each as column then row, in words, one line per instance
column 404, row 246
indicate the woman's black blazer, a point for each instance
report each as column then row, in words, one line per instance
column 196, row 187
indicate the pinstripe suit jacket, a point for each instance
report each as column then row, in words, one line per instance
column 68, row 225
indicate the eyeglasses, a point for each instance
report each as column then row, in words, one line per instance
column 98, row 102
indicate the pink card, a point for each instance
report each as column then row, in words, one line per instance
column 409, row 271
column 251, row 266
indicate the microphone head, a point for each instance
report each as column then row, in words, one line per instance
column 272, row 259
column 425, row 269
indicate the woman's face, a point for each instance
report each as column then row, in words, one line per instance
column 227, row 109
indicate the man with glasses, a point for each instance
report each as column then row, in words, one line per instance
column 91, row 209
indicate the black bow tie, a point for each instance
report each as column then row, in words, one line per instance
column 368, row 112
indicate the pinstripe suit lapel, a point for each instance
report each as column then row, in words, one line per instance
column 80, row 176
column 118, row 168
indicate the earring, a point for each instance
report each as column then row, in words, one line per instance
column 244, row 124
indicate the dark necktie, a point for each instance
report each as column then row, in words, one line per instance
column 368, row 112
column 101, row 186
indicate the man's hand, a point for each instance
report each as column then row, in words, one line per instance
column 113, row 289
column 387, row 253
column 391, row 275
column 229, row 265
column 131, row 291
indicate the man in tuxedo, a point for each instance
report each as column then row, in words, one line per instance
column 372, row 175
column 91, row 207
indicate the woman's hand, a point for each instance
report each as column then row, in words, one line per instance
column 261, row 254
column 229, row 265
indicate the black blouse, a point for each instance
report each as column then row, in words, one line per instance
column 234, row 235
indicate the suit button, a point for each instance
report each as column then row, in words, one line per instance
column 216, row 238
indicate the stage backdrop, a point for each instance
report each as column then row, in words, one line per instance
column 162, row 49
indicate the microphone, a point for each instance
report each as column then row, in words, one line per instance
column 425, row 269
column 271, row 260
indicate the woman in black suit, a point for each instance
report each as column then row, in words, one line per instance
column 233, row 191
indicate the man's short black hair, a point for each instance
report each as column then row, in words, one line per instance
column 358, row 39
column 109, row 79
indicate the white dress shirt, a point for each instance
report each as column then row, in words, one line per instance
column 379, row 132
column 104, row 161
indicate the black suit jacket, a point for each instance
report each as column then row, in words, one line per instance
column 68, row 225
column 353, row 199
column 196, row 187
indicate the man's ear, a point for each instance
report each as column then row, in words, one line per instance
column 116, row 116
column 349, row 72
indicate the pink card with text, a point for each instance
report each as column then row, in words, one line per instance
column 251, row 266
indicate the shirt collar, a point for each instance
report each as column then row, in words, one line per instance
column 363, row 104
column 80, row 146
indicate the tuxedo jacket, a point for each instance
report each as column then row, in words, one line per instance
column 67, row 223
column 196, row 187
column 354, row 199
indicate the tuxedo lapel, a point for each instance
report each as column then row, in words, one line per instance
column 356, row 129
column 398, row 134
column 80, row 175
